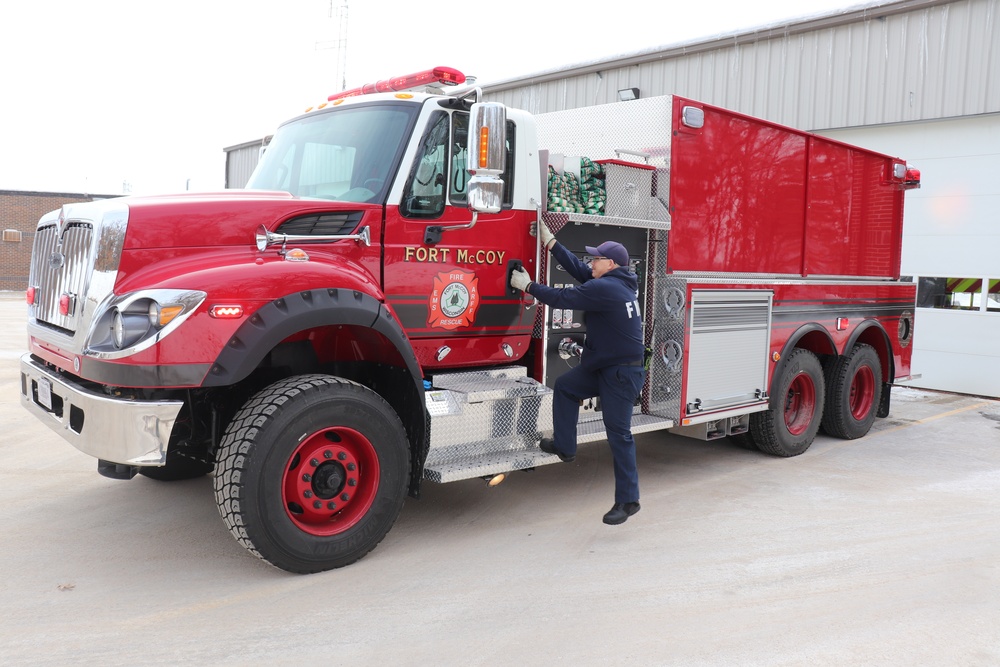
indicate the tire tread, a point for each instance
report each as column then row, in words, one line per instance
column 236, row 450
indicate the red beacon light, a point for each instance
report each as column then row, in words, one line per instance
column 906, row 176
column 447, row 76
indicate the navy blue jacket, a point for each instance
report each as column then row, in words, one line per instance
column 614, row 323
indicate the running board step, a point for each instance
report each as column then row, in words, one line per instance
column 484, row 423
column 487, row 465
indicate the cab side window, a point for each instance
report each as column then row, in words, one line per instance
column 460, row 176
column 440, row 168
column 424, row 193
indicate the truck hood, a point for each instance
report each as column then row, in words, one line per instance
column 216, row 219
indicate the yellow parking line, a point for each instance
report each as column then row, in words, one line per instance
column 932, row 418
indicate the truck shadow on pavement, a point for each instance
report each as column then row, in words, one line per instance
column 126, row 528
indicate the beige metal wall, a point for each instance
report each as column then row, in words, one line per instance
column 895, row 62
column 241, row 161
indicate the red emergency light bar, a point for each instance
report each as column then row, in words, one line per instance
column 443, row 75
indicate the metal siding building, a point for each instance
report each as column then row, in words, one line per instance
column 885, row 63
column 916, row 78
column 241, row 161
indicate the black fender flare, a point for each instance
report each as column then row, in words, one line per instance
column 865, row 326
column 793, row 342
column 288, row 315
column 889, row 372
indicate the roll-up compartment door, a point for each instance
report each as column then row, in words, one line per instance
column 727, row 358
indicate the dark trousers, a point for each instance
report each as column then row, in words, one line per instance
column 618, row 387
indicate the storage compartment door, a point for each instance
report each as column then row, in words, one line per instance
column 727, row 359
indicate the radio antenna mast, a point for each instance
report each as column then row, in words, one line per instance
column 337, row 11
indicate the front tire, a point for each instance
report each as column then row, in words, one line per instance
column 854, row 392
column 789, row 426
column 312, row 473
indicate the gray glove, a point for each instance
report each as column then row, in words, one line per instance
column 519, row 279
column 548, row 240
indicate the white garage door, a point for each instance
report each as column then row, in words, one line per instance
column 951, row 243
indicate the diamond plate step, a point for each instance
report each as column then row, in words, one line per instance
column 593, row 431
column 494, row 463
column 488, row 465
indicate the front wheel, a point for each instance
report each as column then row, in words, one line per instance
column 854, row 390
column 789, row 425
column 312, row 473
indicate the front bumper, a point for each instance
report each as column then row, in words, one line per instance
column 119, row 430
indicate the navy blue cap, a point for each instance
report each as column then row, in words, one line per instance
column 613, row 250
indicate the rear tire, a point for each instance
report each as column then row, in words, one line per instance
column 854, row 392
column 312, row 473
column 789, row 426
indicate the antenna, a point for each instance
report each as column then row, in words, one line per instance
column 337, row 10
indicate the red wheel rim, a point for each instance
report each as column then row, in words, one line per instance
column 862, row 392
column 800, row 404
column 330, row 481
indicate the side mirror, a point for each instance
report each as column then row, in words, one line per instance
column 487, row 156
column 486, row 159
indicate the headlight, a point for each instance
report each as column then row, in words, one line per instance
column 128, row 328
column 135, row 321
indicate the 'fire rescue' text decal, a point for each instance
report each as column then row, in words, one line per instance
column 458, row 255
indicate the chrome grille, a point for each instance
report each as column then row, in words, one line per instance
column 58, row 269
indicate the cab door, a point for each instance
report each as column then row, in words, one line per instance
column 452, row 293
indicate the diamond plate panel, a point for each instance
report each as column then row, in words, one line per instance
column 669, row 307
column 482, row 420
column 637, row 131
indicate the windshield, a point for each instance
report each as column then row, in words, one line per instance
column 346, row 155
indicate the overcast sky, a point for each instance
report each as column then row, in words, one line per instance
column 100, row 93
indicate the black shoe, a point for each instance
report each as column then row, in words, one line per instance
column 549, row 447
column 620, row 513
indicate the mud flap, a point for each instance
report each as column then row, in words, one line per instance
column 883, row 404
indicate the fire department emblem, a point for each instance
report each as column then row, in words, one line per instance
column 454, row 300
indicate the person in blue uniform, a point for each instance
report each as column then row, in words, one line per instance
column 612, row 362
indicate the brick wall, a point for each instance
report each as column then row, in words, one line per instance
column 19, row 212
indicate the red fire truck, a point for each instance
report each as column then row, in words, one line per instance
column 344, row 328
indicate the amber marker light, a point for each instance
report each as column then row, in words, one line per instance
column 484, row 146
column 168, row 313
column 296, row 255
column 495, row 480
column 226, row 312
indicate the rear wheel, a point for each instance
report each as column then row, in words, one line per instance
column 312, row 473
column 854, row 390
column 789, row 426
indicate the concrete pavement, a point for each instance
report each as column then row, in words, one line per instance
column 879, row 551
